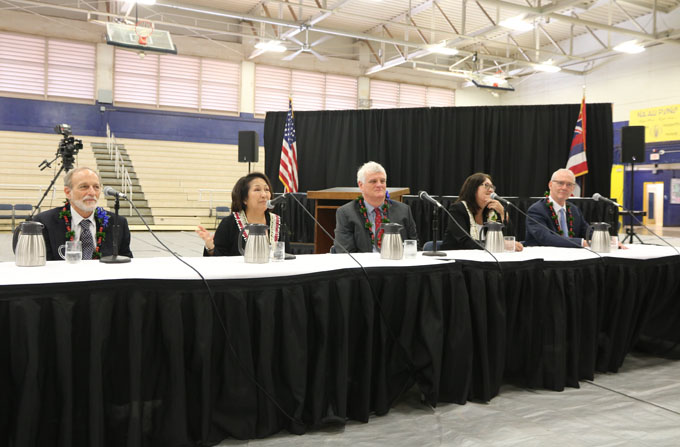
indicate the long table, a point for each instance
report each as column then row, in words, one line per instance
column 135, row 354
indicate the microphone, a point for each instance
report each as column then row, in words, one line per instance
column 597, row 197
column 423, row 195
column 115, row 258
column 272, row 203
column 495, row 196
column 109, row 191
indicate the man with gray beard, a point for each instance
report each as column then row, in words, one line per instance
column 79, row 219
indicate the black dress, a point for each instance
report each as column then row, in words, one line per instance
column 228, row 234
column 455, row 238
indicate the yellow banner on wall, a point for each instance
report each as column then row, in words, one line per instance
column 661, row 123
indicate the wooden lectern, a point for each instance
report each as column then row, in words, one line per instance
column 329, row 200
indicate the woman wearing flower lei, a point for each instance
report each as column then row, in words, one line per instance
column 357, row 221
column 249, row 206
column 82, row 188
column 472, row 210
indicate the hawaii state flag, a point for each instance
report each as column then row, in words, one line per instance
column 288, row 168
column 577, row 161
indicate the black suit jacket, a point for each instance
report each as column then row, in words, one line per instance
column 351, row 232
column 538, row 234
column 54, row 232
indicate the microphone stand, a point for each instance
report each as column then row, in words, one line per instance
column 115, row 258
column 435, row 227
column 288, row 256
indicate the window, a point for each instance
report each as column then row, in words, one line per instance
column 176, row 81
column 412, row 96
column 309, row 90
column 341, row 92
column 135, row 78
column 220, row 85
column 384, row 95
column 440, row 97
column 272, row 89
column 47, row 67
column 179, row 79
column 71, row 68
column 392, row 95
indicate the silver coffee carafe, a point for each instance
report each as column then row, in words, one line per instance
column 257, row 245
column 599, row 240
column 30, row 249
column 392, row 246
column 493, row 232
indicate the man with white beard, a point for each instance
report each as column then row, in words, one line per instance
column 80, row 219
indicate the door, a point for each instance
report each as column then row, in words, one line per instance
column 653, row 203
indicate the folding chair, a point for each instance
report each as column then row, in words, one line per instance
column 220, row 213
column 7, row 212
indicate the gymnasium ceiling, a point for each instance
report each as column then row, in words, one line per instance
column 575, row 35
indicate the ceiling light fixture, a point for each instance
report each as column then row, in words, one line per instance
column 441, row 48
column 630, row 47
column 517, row 23
column 274, row 46
column 548, row 67
column 141, row 2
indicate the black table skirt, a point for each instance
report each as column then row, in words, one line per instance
column 147, row 363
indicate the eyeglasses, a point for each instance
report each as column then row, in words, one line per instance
column 562, row 184
column 489, row 186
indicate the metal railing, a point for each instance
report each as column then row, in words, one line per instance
column 119, row 165
column 211, row 193
column 38, row 188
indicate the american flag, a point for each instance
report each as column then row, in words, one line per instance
column 288, row 168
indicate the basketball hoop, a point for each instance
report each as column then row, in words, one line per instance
column 143, row 29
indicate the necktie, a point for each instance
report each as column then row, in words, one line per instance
column 86, row 239
column 378, row 221
column 563, row 223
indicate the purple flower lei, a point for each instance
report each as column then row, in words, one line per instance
column 101, row 216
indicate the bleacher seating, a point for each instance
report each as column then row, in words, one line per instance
column 22, row 181
column 185, row 182
column 182, row 182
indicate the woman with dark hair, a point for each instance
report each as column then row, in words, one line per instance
column 248, row 206
column 473, row 208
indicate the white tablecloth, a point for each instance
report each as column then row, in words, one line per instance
column 235, row 268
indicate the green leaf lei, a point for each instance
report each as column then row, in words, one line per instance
column 553, row 215
column 368, row 225
column 100, row 217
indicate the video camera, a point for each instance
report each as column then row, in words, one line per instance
column 68, row 147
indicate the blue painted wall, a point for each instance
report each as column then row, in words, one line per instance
column 671, row 212
column 24, row 115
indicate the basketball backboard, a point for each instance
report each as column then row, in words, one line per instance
column 127, row 36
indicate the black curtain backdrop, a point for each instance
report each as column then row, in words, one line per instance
column 435, row 149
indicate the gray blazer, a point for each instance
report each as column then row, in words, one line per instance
column 351, row 232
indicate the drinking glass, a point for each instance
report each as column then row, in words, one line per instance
column 509, row 243
column 278, row 251
column 71, row 251
column 410, row 249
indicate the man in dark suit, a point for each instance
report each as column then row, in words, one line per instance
column 81, row 219
column 556, row 213
column 357, row 223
